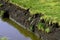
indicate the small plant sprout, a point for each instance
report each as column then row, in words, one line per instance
column 29, row 18
column 50, row 20
column 54, row 20
column 0, row 5
column 1, row 13
column 47, row 30
column 45, row 17
column 40, row 26
column 59, row 23
column 31, row 27
column 41, row 18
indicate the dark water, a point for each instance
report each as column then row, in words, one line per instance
column 10, row 32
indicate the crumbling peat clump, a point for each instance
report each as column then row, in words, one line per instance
column 44, row 28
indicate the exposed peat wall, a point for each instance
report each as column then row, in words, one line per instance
column 23, row 17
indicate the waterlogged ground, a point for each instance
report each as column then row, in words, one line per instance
column 11, row 33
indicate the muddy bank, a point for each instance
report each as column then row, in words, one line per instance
column 23, row 17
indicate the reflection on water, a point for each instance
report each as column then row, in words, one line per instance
column 10, row 32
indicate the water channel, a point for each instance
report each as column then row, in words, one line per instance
column 7, row 30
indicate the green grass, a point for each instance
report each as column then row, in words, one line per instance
column 51, row 9
column 48, row 7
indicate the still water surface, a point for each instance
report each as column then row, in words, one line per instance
column 7, row 30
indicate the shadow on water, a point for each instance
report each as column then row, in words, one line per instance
column 22, row 30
